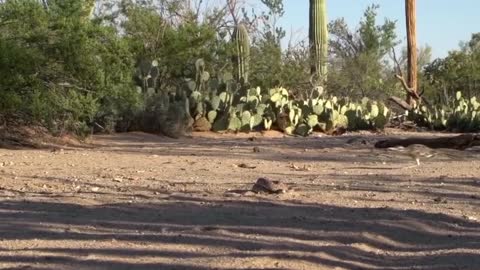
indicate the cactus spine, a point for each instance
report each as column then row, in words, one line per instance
column 318, row 36
column 241, row 58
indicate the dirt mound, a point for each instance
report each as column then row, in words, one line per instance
column 35, row 136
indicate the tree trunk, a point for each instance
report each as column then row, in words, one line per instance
column 410, row 10
column 460, row 142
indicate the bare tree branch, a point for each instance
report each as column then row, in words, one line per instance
column 410, row 91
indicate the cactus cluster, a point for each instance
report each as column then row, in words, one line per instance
column 220, row 103
column 166, row 111
column 331, row 113
column 462, row 115
column 234, row 107
column 232, row 111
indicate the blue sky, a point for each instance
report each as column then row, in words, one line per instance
column 442, row 24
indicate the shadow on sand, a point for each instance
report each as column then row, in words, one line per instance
column 332, row 236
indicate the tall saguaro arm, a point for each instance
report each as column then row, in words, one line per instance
column 318, row 37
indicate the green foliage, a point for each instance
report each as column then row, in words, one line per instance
column 58, row 69
column 460, row 69
column 268, row 67
column 360, row 68
column 153, row 38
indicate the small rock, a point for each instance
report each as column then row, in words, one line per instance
column 58, row 151
column 297, row 168
column 245, row 166
column 232, row 194
column 440, row 200
column 470, row 218
column 117, row 179
column 264, row 185
column 95, row 189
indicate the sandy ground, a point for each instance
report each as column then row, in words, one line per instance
column 138, row 201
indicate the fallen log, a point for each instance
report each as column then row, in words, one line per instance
column 460, row 142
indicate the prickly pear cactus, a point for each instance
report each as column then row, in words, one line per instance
column 235, row 107
column 234, row 123
column 462, row 115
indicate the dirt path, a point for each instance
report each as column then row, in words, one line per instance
column 138, row 201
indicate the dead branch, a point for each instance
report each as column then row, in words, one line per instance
column 408, row 89
column 400, row 102
column 233, row 10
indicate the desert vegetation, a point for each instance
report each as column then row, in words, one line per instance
column 174, row 66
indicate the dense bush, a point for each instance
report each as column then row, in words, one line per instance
column 57, row 68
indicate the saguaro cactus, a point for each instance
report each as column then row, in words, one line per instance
column 241, row 58
column 318, row 35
